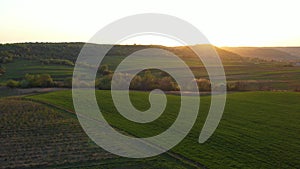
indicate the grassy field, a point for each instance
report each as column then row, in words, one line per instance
column 258, row 129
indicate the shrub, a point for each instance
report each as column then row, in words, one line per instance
column 145, row 82
column 148, row 81
column 103, row 70
column 43, row 80
column 57, row 61
column 167, row 84
column 12, row 84
column 236, row 86
column 6, row 57
column 24, row 84
column 104, row 82
column 136, row 83
column 203, row 84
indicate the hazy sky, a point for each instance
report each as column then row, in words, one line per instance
column 224, row 22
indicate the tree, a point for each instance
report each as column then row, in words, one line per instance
column 203, row 84
column 236, row 86
column 167, row 84
column 104, row 82
column 136, row 83
column 148, row 81
column 104, row 70
column 24, row 84
column 45, row 80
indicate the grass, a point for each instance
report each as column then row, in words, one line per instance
column 258, row 129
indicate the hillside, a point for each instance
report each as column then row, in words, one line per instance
column 268, row 53
column 295, row 51
column 70, row 51
column 57, row 60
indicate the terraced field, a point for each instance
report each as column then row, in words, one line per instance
column 17, row 70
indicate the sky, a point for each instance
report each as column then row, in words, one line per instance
column 223, row 22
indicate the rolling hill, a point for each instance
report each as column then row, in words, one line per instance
column 240, row 64
column 268, row 53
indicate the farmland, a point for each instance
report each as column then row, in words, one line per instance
column 149, row 84
column 39, row 128
column 278, row 76
column 258, row 129
column 18, row 69
column 38, row 136
column 257, row 74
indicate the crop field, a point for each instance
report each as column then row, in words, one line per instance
column 38, row 136
column 258, row 129
column 17, row 70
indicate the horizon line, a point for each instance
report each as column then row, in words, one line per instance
column 136, row 44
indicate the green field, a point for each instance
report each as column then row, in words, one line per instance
column 18, row 68
column 258, row 129
column 34, row 135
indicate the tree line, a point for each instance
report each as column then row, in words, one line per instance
column 30, row 80
column 57, row 61
column 144, row 81
column 68, row 51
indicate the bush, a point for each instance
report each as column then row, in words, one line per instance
column 104, row 83
column 148, row 81
column 237, row 86
column 43, row 80
column 136, row 83
column 167, row 84
column 203, row 84
column 57, row 61
column 145, row 82
column 5, row 57
column 103, row 70
column 24, row 84
column 12, row 84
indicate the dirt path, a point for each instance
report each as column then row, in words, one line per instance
column 6, row 91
